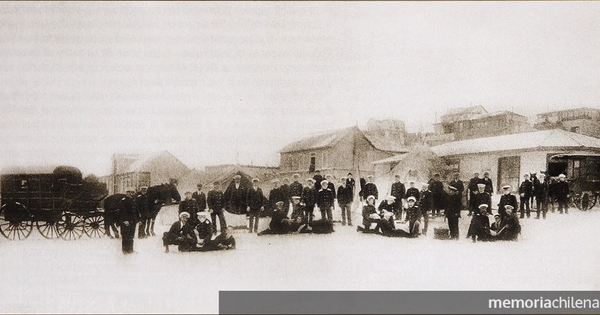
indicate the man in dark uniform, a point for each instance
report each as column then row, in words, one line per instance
column 412, row 191
column 489, row 187
column 296, row 186
column 473, row 190
column 275, row 195
column 189, row 205
column 506, row 199
column 278, row 224
column 452, row 212
column 398, row 191
column 255, row 201
column 224, row 241
column 483, row 198
column 200, row 198
column 330, row 185
column 325, row 201
column 215, row 203
column 181, row 234
column 479, row 229
column 525, row 192
column 350, row 182
column 204, row 228
column 128, row 217
column 144, row 207
column 297, row 208
column 387, row 204
column 235, row 196
column 540, row 190
column 425, row 205
column 413, row 216
column 318, row 179
column 309, row 199
column 370, row 216
column 436, row 187
column 510, row 228
column 459, row 185
column 370, row 188
column 285, row 191
column 562, row 194
column 345, row 198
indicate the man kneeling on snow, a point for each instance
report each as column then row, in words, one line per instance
column 181, row 234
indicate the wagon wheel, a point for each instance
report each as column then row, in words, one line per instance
column 584, row 201
column 94, row 226
column 48, row 229
column 70, row 226
column 15, row 222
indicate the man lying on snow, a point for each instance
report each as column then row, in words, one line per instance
column 182, row 234
column 281, row 224
column 504, row 229
column 384, row 220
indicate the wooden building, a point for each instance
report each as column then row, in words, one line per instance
column 339, row 152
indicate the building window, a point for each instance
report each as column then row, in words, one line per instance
column 313, row 161
column 575, row 129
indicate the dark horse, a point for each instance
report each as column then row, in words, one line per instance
column 158, row 195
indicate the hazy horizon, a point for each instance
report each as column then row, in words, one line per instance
column 226, row 82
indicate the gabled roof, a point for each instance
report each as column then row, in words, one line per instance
column 321, row 140
column 498, row 113
column 388, row 143
column 146, row 159
column 556, row 138
column 391, row 159
column 331, row 138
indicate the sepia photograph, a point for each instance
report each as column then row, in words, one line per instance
column 158, row 157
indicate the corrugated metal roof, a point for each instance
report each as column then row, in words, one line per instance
column 518, row 141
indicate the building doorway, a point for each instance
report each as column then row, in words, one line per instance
column 509, row 168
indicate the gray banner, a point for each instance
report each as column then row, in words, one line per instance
column 409, row 302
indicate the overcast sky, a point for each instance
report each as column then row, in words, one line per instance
column 204, row 80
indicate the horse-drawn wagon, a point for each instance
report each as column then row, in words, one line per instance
column 583, row 174
column 57, row 200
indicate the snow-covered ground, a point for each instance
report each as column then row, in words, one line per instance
column 92, row 276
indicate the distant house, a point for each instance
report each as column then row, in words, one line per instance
column 341, row 151
column 508, row 157
column 135, row 170
column 476, row 122
column 585, row 121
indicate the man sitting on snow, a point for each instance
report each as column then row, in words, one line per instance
column 224, row 241
column 181, row 234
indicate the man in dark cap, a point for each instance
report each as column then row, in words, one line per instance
column 436, row 187
column 473, row 190
column 287, row 197
column 452, row 211
column 215, row 202
column 506, row 199
column 255, row 201
column 562, row 194
column 296, row 186
column 489, row 186
column 370, row 188
column 145, row 207
column 345, row 198
column 309, row 199
column 479, row 230
column 318, row 179
column 459, row 185
column 128, row 216
column 398, row 191
column 350, row 182
column 525, row 192
column 200, row 197
column 275, row 195
column 189, row 205
column 325, row 200
column 483, row 198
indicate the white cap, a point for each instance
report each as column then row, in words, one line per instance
column 411, row 198
column 184, row 213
